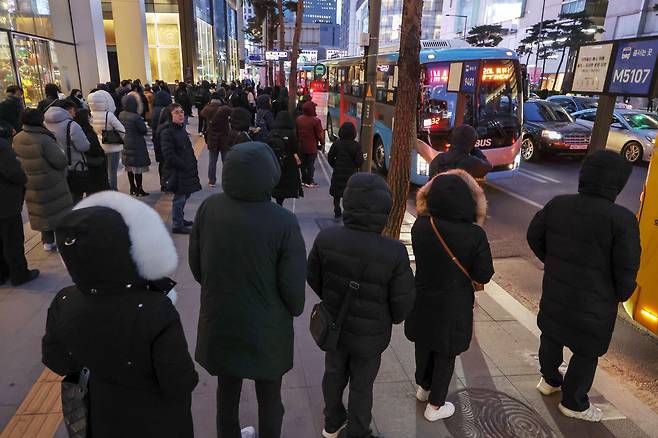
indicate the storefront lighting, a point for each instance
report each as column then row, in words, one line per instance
column 649, row 315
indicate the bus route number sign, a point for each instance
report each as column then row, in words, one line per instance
column 634, row 67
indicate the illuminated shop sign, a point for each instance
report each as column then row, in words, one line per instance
column 496, row 74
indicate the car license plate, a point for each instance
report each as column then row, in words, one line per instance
column 578, row 146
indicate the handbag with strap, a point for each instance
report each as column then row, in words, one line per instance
column 75, row 403
column 326, row 330
column 78, row 175
column 477, row 287
column 110, row 136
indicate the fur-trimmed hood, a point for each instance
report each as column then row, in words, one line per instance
column 111, row 240
column 132, row 103
column 445, row 197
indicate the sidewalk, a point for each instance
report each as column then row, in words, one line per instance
column 493, row 389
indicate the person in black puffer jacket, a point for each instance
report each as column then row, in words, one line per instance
column 240, row 122
column 357, row 252
column 135, row 155
column 590, row 247
column 346, row 158
column 264, row 116
column 283, row 140
column 161, row 100
column 441, row 324
column 118, row 320
column 96, row 158
column 462, row 154
column 180, row 173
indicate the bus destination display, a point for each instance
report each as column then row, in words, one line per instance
column 496, row 73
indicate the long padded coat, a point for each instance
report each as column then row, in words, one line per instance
column 590, row 247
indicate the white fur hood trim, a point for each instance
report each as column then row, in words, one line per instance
column 152, row 248
column 476, row 191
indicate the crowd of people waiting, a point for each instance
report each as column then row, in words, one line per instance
column 141, row 385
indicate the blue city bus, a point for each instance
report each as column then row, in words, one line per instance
column 488, row 91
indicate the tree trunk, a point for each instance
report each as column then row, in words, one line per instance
column 282, row 42
column 559, row 66
column 543, row 67
column 405, row 129
column 292, row 90
column 271, row 35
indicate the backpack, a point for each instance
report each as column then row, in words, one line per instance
column 278, row 144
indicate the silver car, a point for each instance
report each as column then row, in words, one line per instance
column 632, row 132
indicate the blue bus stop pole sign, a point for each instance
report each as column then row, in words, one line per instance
column 634, row 67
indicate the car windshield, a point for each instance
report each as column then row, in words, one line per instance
column 641, row 120
column 588, row 103
column 545, row 112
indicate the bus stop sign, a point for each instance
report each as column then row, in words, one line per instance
column 634, row 67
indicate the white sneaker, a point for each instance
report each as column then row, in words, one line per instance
column 422, row 395
column 326, row 434
column 248, row 432
column 547, row 389
column 592, row 413
column 445, row 411
column 50, row 247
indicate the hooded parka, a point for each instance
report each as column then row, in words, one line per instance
column 386, row 293
column 102, row 107
column 118, row 323
column 264, row 115
column 345, row 157
column 240, row 122
column 462, row 155
column 179, row 158
column 47, row 193
column 442, row 318
column 283, row 140
column 135, row 154
column 590, row 247
column 309, row 129
column 59, row 121
column 217, row 114
column 248, row 254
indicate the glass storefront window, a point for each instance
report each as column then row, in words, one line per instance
column 205, row 57
column 29, row 71
column 7, row 75
column 163, row 32
column 44, row 18
column 64, row 66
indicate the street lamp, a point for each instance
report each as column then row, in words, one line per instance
column 465, row 17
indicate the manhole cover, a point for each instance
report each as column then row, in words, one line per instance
column 482, row 413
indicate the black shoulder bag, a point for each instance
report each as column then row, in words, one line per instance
column 77, row 176
column 110, row 136
column 75, row 403
column 326, row 330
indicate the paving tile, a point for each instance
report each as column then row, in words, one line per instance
column 508, row 354
column 492, row 308
column 391, row 369
column 475, row 363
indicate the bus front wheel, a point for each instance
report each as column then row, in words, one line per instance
column 378, row 156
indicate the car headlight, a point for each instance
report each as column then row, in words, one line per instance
column 651, row 139
column 551, row 135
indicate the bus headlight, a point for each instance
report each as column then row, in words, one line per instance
column 422, row 166
column 551, row 135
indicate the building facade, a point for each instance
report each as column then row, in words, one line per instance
column 357, row 12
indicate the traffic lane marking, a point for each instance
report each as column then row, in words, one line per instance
column 515, row 195
column 539, row 175
column 534, row 178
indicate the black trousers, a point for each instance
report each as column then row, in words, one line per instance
column 434, row 373
column 270, row 407
column 308, row 168
column 337, row 209
column 13, row 265
column 578, row 380
column 340, row 369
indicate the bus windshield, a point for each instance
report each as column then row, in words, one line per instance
column 499, row 100
column 494, row 108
